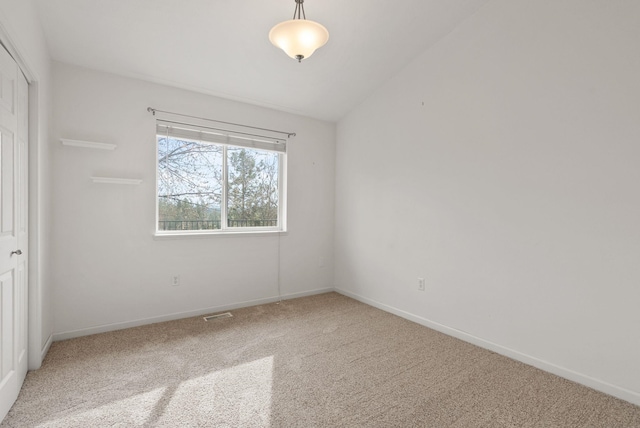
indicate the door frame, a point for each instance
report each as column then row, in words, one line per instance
column 37, row 347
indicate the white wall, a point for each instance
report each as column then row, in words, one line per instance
column 20, row 31
column 503, row 166
column 108, row 269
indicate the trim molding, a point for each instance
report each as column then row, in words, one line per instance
column 599, row 385
column 36, row 219
column 44, row 351
column 15, row 50
column 179, row 315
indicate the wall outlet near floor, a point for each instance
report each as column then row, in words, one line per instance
column 421, row 284
column 175, row 280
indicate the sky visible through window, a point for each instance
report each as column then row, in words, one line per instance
column 190, row 186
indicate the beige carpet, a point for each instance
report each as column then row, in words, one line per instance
column 321, row 361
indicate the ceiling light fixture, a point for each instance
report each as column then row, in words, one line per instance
column 299, row 37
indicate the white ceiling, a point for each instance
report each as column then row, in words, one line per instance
column 221, row 47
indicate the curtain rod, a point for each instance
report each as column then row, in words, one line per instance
column 288, row 134
column 175, row 122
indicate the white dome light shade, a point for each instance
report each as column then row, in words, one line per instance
column 299, row 38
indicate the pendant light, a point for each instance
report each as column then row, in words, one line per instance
column 299, row 37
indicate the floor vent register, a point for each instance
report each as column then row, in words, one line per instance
column 217, row 316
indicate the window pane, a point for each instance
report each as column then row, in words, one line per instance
column 252, row 188
column 189, row 184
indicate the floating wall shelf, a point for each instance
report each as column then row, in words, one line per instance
column 87, row 144
column 110, row 180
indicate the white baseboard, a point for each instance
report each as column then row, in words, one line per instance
column 45, row 348
column 607, row 388
column 179, row 315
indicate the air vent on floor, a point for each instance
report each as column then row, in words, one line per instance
column 218, row 316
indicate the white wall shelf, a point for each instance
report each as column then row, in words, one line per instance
column 87, row 144
column 112, row 180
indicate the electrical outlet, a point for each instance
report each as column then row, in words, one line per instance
column 175, row 280
column 421, row 284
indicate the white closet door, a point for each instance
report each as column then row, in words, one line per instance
column 13, row 230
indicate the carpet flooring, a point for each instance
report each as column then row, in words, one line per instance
column 320, row 361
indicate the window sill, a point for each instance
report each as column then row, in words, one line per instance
column 230, row 233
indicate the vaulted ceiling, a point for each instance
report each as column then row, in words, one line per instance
column 220, row 47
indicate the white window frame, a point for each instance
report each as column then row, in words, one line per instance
column 226, row 140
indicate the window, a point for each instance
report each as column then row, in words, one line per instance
column 208, row 182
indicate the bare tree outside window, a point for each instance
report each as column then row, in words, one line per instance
column 253, row 188
column 191, row 179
